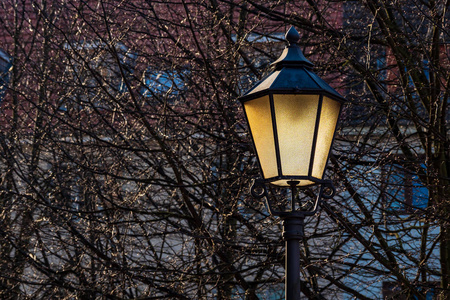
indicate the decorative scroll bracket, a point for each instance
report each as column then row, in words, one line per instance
column 326, row 191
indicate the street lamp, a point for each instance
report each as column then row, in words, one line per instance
column 292, row 115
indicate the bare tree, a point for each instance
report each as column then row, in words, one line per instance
column 126, row 164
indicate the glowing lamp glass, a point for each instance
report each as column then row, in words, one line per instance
column 292, row 135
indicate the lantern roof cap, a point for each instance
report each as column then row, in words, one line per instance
column 292, row 55
column 292, row 74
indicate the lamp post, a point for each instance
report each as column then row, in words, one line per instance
column 292, row 116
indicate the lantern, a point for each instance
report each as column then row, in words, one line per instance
column 292, row 115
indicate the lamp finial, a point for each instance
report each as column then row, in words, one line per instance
column 292, row 36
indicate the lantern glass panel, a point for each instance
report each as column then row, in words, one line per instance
column 260, row 122
column 296, row 120
column 328, row 119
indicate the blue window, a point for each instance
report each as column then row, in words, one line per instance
column 394, row 290
column 426, row 69
column 5, row 68
column 425, row 66
column 404, row 192
column 429, row 293
column 164, row 83
column 381, row 66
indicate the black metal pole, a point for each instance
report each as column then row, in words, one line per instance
column 293, row 234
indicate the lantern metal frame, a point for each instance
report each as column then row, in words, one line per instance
column 293, row 75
